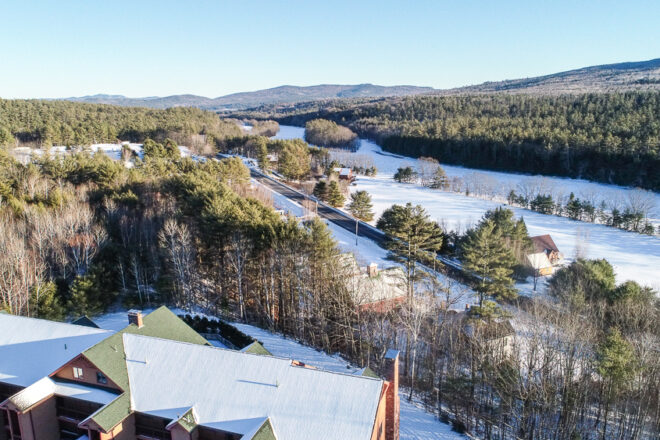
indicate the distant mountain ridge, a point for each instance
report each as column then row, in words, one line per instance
column 242, row 100
column 619, row 77
column 641, row 75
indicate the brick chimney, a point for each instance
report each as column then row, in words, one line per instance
column 135, row 317
column 372, row 270
column 392, row 398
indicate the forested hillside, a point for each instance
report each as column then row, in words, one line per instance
column 46, row 123
column 80, row 233
column 613, row 138
column 275, row 95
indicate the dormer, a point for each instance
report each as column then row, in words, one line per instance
column 81, row 370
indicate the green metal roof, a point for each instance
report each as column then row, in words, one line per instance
column 113, row 413
column 187, row 421
column 266, row 432
column 109, row 357
column 256, row 348
column 85, row 321
column 368, row 372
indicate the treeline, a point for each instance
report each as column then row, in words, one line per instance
column 633, row 216
column 81, row 233
column 581, row 363
column 328, row 134
column 45, row 123
column 613, row 138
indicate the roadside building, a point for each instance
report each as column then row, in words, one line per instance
column 372, row 288
column 546, row 255
column 495, row 337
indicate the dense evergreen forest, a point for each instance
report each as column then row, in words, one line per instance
column 46, row 123
column 329, row 134
column 613, row 138
column 81, row 233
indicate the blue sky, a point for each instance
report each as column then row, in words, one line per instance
column 211, row 48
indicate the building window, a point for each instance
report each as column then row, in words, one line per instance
column 100, row 378
column 77, row 372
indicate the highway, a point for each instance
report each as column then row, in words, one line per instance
column 338, row 217
column 327, row 212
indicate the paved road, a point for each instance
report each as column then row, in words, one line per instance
column 337, row 217
column 342, row 219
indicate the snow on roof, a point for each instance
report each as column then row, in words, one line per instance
column 387, row 285
column 46, row 387
column 391, row 353
column 83, row 392
column 544, row 243
column 33, row 394
column 539, row 260
column 33, row 348
column 236, row 391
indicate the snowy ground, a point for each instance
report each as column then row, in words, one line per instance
column 113, row 151
column 387, row 164
column 416, row 424
column 634, row 256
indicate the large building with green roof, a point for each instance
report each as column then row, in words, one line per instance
column 159, row 379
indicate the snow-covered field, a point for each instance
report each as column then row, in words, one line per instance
column 113, row 151
column 634, row 256
column 502, row 183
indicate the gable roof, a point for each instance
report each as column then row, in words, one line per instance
column 544, row 243
column 237, row 392
column 488, row 330
column 109, row 357
column 256, row 348
column 46, row 387
column 84, row 320
column 539, row 260
column 32, row 348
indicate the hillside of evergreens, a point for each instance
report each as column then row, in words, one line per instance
column 612, row 138
column 46, row 123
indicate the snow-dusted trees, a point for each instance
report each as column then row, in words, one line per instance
column 328, row 134
column 361, row 206
column 412, row 237
column 176, row 241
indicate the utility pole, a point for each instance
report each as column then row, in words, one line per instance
column 356, row 231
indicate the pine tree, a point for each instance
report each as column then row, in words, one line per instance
column 543, row 204
column 294, row 159
column 405, row 175
column 617, row 365
column 440, row 180
column 335, row 197
column 171, row 149
column 321, row 190
column 486, row 255
column 262, row 153
column 361, row 206
column 44, row 302
column 84, row 297
column 412, row 237
column 574, row 207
